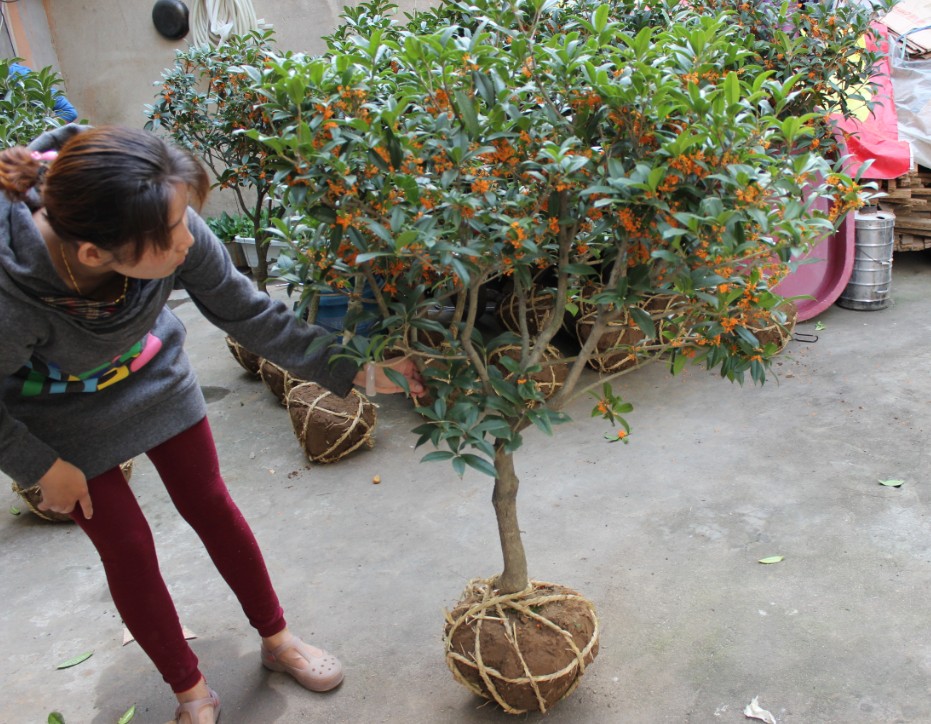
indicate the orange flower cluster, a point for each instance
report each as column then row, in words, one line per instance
column 751, row 195
column 589, row 100
column 690, row 164
column 669, row 183
column 438, row 103
column 481, row 186
column 630, row 223
column 520, row 235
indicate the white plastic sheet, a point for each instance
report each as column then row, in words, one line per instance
column 911, row 84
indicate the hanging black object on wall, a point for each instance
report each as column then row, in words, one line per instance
column 170, row 18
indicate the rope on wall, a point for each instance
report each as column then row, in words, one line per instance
column 213, row 21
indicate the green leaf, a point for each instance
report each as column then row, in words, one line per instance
column 14, row 510
column 732, row 87
column 75, row 660
column 892, row 483
column 127, row 715
column 467, row 113
column 771, row 559
column 398, row 379
column 644, row 321
column 819, row 326
column 56, row 718
column 480, row 464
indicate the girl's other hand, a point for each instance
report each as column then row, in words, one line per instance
column 384, row 384
column 63, row 487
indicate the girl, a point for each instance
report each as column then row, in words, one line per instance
column 93, row 239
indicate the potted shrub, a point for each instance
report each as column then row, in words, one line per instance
column 27, row 104
column 228, row 228
column 204, row 100
column 645, row 168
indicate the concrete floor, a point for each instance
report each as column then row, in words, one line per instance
column 663, row 534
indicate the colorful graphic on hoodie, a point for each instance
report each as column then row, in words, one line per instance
column 40, row 378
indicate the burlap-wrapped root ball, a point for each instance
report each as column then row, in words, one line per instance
column 548, row 380
column 524, row 651
column 777, row 326
column 278, row 380
column 249, row 361
column 541, row 306
column 32, row 496
column 330, row 427
column 616, row 349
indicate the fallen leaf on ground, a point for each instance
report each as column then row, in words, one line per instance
column 75, row 660
column 127, row 715
column 819, row 326
column 753, row 710
column 14, row 510
column 56, row 718
column 892, row 483
column 771, row 559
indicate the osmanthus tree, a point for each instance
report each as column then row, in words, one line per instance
column 203, row 100
column 649, row 169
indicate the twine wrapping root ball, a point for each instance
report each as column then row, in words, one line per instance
column 548, row 380
column 249, row 361
column 525, row 651
column 32, row 496
column 330, row 427
column 278, row 380
column 541, row 306
column 667, row 312
column 616, row 349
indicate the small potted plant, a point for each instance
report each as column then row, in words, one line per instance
column 228, row 228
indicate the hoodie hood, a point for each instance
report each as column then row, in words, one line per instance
column 26, row 270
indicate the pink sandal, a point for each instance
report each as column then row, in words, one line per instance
column 322, row 672
column 193, row 708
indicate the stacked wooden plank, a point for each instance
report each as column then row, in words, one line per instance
column 909, row 198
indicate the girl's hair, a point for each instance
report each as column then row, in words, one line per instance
column 111, row 186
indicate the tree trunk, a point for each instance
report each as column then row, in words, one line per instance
column 514, row 577
column 261, row 271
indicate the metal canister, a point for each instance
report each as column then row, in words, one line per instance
column 871, row 279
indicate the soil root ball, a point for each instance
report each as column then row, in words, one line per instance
column 249, row 361
column 525, row 651
column 330, row 427
column 278, row 380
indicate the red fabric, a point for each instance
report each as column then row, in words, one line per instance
column 877, row 137
column 189, row 469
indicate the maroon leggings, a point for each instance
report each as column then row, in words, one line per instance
column 188, row 466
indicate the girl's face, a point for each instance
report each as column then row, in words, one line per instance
column 160, row 263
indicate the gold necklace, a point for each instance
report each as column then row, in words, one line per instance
column 74, row 283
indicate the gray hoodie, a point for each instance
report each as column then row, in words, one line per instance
column 96, row 393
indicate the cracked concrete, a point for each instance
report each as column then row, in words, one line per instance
column 663, row 534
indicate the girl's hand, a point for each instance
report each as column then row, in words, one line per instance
column 383, row 383
column 63, row 487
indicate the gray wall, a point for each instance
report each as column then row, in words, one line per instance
column 26, row 33
column 110, row 54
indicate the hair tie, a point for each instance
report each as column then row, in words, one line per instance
column 44, row 158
